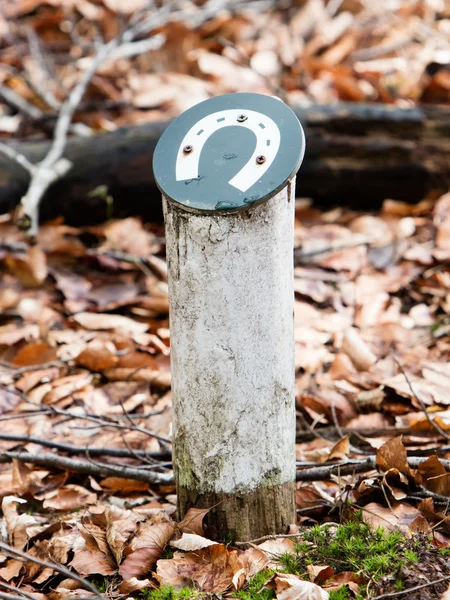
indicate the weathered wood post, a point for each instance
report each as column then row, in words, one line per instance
column 225, row 168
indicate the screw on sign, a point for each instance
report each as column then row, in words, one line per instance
column 226, row 170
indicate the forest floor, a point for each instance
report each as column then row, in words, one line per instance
column 86, row 484
column 85, row 404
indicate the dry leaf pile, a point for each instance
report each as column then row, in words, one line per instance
column 308, row 52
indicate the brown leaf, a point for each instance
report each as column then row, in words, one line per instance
column 211, row 569
column 128, row 235
column 31, row 379
column 125, row 486
column 436, row 477
column 291, row 587
column 392, row 455
column 35, row 353
column 191, row 542
column 98, row 355
column 8, row 400
column 252, row 561
column 276, row 548
column 340, row 450
column 120, row 526
column 356, row 348
column 66, row 386
column 20, row 527
column 100, row 321
column 12, row 569
column 320, row 573
column 32, row 269
column 347, row 578
column 69, row 497
column 87, row 563
column 10, row 335
column 403, row 516
column 193, row 521
column 134, row 585
column 146, row 548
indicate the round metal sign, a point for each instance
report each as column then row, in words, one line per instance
column 229, row 152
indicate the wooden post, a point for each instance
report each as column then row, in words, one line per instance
column 232, row 339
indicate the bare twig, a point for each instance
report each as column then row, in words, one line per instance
column 411, row 589
column 93, row 418
column 71, row 449
column 431, row 421
column 24, row 556
column 20, row 103
column 6, row 596
column 11, row 588
column 20, row 159
column 86, row 467
column 290, row 536
column 353, row 467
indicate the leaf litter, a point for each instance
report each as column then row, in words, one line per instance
column 93, row 385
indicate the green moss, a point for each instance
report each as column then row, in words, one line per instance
column 168, row 593
column 351, row 546
column 255, row 589
column 100, row 582
column 342, row 594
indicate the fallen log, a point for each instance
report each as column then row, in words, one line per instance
column 357, row 155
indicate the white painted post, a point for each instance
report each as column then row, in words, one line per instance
column 232, row 360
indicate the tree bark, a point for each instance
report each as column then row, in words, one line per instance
column 232, row 360
column 357, row 155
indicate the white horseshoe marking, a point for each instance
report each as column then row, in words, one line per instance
column 267, row 144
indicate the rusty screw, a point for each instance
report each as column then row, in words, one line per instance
column 242, row 118
column 260, row 159
column 187, row 149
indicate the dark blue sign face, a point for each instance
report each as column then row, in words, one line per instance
column 229, row 152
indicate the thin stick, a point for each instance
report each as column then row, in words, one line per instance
column 411, row 589
column 49, row 565
column 88, row 417
column 270, row 537
column 86, row 467
column 5, row 596
column 18, row 102
column 72, row 449
column 324, row 473
column 431, row 421
column 20, row 159
column 11, row 588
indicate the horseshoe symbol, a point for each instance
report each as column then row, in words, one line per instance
column 267, row 144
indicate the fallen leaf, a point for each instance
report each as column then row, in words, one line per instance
column 87, row 563
column 319, row 573
column 291, row 587
column 354, row 346
column 105, row 321
column 69, row 497
column 191, row 541
column 192, row 521
column 35, row 353
column 211, row 569
column 340, row 450
column 134, row 585
column 435, row 476
column 145, row 548
column 120, row 526
column 403, row 517
column 98, row 355
column 392, row 455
